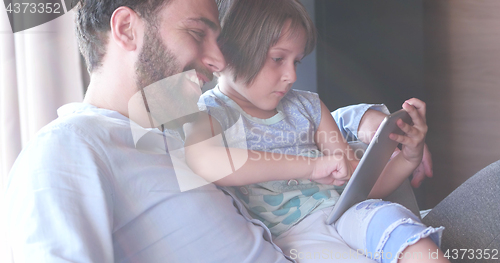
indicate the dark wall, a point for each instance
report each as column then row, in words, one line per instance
column 462, row 80
column 372, row 52
column 369, row 51
column 306, row 70
column 445, row 52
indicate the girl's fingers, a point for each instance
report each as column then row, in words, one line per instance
column 399, row 138
column 343, row 178
column 404, row 140
column 406, row 128
column 416, row 117
column 341, row 175
column 419, row 105
column 339, row 182
column 414, row 134
column 412, row 141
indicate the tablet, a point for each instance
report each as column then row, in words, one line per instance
column 370, row 166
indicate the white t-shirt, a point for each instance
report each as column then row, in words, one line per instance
column 82, row 192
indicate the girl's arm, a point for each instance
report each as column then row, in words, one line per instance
column 207, row 156
column 330, row 141
column 401, row 166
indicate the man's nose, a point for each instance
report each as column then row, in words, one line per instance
column 213, row 57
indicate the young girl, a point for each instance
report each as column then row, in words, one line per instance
column 280, row 152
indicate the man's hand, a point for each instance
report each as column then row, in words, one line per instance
column 423, row 170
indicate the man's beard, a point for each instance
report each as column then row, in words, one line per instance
column 172, row 104
column 155, row 61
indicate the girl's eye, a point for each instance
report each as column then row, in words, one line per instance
column 297, row 62
column 277, row 59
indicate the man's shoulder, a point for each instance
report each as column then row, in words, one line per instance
column 83, row 122
column 70, row 146
column 72, row 122
column 75, row 131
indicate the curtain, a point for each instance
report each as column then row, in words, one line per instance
column 40, row 70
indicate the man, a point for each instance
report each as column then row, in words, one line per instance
column 82, row 192
column 86, row 189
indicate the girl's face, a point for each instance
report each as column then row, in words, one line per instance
column 273, row 81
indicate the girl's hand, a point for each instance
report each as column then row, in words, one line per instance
column 331, row 169
column 414, row 139
column 367, row 127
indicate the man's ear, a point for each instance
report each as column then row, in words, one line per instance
column 126, row 27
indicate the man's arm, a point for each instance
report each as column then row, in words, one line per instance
column 360, row 120
column 58, row 208
column 369, row 124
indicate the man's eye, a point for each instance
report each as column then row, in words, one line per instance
column 198, row 34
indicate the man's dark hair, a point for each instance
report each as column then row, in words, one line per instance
column 93, row 23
